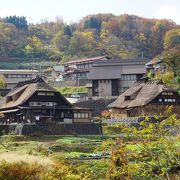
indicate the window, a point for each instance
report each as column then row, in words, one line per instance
column 68, row 114
column 123, row 89
column 169, row 100
column 128, row 77
column 46, row 93
column 127, row 97
column 29, row 76
column 49, row 94
column 167, row 93
column 81, row 115
column 33, row 103
column 41, row 93
column 62, row 114
column 86, row 115
column 75, row 115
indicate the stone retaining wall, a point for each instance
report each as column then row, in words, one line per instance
column 53, row 129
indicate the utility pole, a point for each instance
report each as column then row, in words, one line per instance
column 142, row 55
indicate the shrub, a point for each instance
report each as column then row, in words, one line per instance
column 19, row 171
column 12, row 138
column 157, row 155
column 114, row 129
column 34, row 171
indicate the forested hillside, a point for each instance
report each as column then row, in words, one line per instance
column 124, row 36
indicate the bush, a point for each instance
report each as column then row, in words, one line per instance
column 12, row 138
column 35, row 171
column 155, row 157
column 115, row 129
column 19, row 171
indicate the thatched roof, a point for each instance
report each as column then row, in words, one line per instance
column 140, row 94
column 23, row 91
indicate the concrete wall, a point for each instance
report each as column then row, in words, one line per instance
column 80, row 82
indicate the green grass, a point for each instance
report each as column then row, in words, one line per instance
column 57, row 144
column 74, row 150
column 72, row 89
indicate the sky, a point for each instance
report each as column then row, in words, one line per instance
column 74, row 10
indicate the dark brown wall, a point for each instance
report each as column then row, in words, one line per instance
column 148, row 110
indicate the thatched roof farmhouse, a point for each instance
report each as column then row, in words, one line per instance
column 146, row 99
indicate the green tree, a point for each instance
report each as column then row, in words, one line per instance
column 19, row 21
column 93, row 23
column 67, row 31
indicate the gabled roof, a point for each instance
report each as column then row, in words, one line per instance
column 119, row 62
column 140, row 94
column 153, row 62
column 85, row 60
column 23, row 91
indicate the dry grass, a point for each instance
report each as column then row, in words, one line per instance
column 13, row 157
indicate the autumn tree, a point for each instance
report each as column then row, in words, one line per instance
column 172, row 39
column 171, row 57
column 61, row 41
column 171, row 54
column 2, row 81
column 34, row 47
column 82, row 43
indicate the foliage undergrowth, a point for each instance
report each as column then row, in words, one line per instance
column 155, row 156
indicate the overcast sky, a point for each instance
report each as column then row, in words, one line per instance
column 74, row 10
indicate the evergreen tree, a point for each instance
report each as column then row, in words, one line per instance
column 67, row 31
column 19, row 21
column 92, row 23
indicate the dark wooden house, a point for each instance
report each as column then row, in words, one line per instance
column 145, row 99
column 34, row 101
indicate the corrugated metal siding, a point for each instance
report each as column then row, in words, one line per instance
column 111, row 72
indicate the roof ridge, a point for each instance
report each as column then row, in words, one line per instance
column 35, row 80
